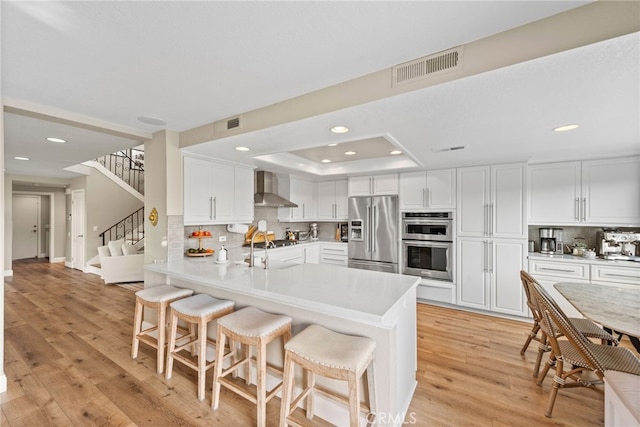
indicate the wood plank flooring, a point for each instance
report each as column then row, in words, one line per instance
column 67, row 361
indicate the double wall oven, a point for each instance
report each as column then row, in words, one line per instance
column 427, row 244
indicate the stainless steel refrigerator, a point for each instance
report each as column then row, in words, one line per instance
column 373, row 233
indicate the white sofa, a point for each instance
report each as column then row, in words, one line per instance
column 121, row 262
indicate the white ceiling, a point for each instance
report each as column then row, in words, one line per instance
column 193, row 63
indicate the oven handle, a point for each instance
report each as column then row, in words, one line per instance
column 426, row 221
column 427, row 244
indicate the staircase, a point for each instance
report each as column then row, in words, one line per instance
column 126, row 168
column 128, row 165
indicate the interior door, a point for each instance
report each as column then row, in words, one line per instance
column 77, row 229
column 26, row 216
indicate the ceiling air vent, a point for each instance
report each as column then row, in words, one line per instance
column 427, row 66
column 233, row 123
column 442, row 150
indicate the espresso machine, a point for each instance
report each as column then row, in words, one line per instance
column 551, row 241
column 621, row 245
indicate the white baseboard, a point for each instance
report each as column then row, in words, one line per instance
column 8, row 273
column 67, row 264
column 3, row 382
column 59, row 259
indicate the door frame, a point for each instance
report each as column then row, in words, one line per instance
column 52, row 222
column 74, row 261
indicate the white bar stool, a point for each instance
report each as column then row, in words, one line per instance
column 159, row 298
column 197, row 311
column 251, row 328
column 318, row 350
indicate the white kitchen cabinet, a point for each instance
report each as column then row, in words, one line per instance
column 491, row 201
column 377, row 185
column 243, row 197
column 331, row 200
column 549, row 272
column 334, row 253
column 216, row 193
column 302, row 193
column 489, row 276
column 297, row 254
column 293, row 254
column 311, row 253
column 427, row 190
column 595, row 192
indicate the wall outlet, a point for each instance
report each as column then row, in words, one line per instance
column 222, row 238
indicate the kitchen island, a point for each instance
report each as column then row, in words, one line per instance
column 381, row 306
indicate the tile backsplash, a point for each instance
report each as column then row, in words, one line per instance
column 326, row 230
column 570, row 233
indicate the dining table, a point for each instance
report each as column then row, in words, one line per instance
column 616, row 308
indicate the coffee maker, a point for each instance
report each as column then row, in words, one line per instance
column 618, row 245
column 551, row 241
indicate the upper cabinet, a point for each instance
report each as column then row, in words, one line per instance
column 216, row 193
column 332, row 201
column 491, row 201
column 377, row 185
column 595, row 192
column 302, row 193
column 428, row 190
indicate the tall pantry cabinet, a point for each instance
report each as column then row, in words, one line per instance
column 492, row 238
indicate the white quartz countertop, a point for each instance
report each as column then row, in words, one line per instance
column 367, row 296
column 574, row 258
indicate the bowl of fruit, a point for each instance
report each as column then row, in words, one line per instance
column 200, row 252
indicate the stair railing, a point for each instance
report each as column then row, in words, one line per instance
column 128, row 165
column 131, row 229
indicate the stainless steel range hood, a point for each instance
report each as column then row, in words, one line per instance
column 265, row 196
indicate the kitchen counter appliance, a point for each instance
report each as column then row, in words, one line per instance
column 373, row 233
column 427, row 245
column 551, row 241
column 618, row 245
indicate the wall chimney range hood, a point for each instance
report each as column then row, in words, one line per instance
column 265, row 196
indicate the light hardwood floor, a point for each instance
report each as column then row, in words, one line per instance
column 67, row 360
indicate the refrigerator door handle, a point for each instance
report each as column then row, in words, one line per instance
column 368, row 232
column 373, row 228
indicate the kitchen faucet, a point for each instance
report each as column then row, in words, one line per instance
column 267, row 242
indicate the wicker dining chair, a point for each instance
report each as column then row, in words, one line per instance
column 573, row 355
column 585, row 326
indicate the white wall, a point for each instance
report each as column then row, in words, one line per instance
column 3, row 377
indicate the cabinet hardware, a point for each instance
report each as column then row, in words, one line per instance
column 210, row 207
column 490, row 219
column 215, row 208
column 584, row 209
column 424, row 197
column 556, row 269
column 626, row 276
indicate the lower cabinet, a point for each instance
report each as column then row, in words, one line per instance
column 298, row 254
column 334, row 253
column 488, row 275
column 549, row 271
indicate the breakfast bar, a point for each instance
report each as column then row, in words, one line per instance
column 380, row 306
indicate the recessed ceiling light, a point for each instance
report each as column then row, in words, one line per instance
column 243, row 148
column 21, row 158
column 339, row 129
column 565, row 128
column 395, row 152
column 59, row 140
column 151, row 121
column 333, row 145
column 349, row 153
column 325, row 161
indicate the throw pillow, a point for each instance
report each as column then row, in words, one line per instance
column 115, row 247
column 129, row 249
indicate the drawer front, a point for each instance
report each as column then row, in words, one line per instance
column 333, row 259
column 334, row 249
column 615, row 274
column 559, row 269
